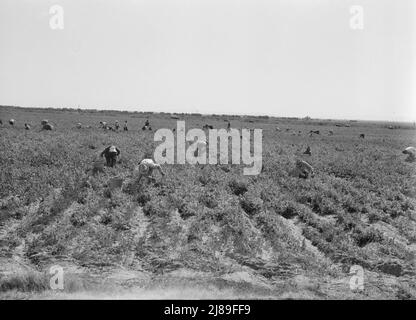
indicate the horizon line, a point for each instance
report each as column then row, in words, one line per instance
column 94, row 109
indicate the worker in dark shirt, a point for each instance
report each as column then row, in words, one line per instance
column 110, row 153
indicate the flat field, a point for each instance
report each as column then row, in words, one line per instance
column 206, row 231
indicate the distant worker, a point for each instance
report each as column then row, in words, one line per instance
column 11, row 122
column 27, row 126
column 147, row 125
column 303, row 169
column 110, row 153
column 125, row 128
column 411, row 152
column 201, row 148
column 207, row 127
column 47, row 126
column 117, row 125
column 145, row 169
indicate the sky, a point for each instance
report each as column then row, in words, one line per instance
column 290, row 58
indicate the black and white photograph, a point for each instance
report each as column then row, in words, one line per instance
column 202, row 150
